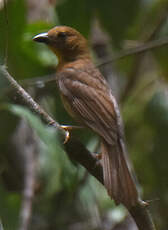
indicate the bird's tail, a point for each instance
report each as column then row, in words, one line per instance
column 117, row 178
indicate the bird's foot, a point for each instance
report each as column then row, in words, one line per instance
column 98, row 156
column 68, row 129
column 148, row 202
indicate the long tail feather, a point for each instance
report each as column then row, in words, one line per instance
column 117, row 178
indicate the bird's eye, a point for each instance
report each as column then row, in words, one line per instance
column 62, row 35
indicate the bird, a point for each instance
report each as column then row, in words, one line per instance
column 88, row 98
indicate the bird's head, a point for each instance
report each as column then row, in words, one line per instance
column 67, row 43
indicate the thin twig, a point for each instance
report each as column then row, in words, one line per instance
column 134, row 75
column 38, row 80
column 139, row 49
column 29, row 100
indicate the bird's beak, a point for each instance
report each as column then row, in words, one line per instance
column 43, row 37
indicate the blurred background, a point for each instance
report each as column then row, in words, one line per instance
column 34, row 167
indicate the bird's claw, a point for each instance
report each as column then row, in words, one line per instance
column 67, row 129
column 67, row 136
column 98, row 156
column 144, row 203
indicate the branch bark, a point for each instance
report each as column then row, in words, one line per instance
column 79, row 153
column 137, row 50
column 134, row 75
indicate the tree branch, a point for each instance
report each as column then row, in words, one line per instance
column 139, row 49
column 134, row 74
column 28, row 100
column 79, row 153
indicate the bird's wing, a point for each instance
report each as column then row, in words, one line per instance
column 91, row 103
column 96, row 108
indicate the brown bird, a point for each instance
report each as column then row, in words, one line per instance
column 88, row 99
